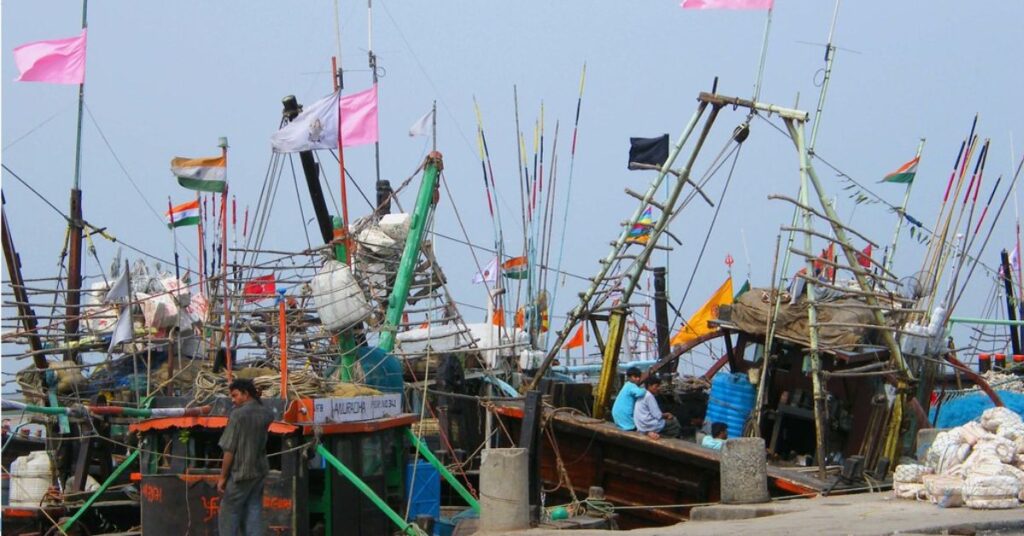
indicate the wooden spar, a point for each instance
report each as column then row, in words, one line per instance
column 830, row 54
column 610, row 363
column 411, row 253
column 832, row 221
column 851, row 253
column 812, row 314
column 581, row 308
column 25, row 312
column 769, row 330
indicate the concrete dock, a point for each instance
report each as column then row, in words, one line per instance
column 861, row 514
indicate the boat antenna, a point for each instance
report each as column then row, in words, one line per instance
column 373, row 69
column 830, row 54
column 764, row 55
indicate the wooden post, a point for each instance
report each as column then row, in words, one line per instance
column 530, row 439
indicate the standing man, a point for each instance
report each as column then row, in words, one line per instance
column 648, row 416
column 622, row 409
column 245, row 466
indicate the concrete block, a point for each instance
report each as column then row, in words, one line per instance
column 744, row 471
column 504, row 490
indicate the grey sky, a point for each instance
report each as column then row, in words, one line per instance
column 166, row 79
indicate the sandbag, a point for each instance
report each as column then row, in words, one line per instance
column 993, row 418
column 338, row 298
column 910, row 473
column 907, row 490
column 944, row 491
column 991, row 492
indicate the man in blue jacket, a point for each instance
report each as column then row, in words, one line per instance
column 622, row 410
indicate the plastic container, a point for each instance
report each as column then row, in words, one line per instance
column 984, row 362
column 425, row 491
column 1000, row 363
column 31, row 476
column 730, row 401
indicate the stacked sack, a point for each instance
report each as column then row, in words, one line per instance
column 979, row 464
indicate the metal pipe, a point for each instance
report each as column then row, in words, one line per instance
column 405, row 527
column 103, row 488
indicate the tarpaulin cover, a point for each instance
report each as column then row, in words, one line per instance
column 750, row 313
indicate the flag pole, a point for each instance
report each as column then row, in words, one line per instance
column 902, row 213
column 74, row 278
column 433, row 126
column 174, row 237
column 201, row 245
column 224, row 261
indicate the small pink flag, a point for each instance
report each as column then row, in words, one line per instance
column 359, row 118
column 726, row 4
column 57, row 61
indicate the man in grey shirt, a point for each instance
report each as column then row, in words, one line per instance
column 648, row 416
column 245, row 466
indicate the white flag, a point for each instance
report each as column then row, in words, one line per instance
column 1015, row 259
column 119, row 290
column 123, row 330
column 490, row 273
column 315, row 128
column 422, row 125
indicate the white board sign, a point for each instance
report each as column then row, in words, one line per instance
column 356, row 408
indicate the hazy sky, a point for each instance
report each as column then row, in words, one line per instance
column 167, row 79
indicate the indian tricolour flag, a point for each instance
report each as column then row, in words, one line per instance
column 184, row 214
column 514, row 268
column 202, row 174
column 905, row 173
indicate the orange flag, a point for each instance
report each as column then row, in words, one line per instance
column 698, row 323
column 576, row 341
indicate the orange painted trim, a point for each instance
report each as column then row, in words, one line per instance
column 361, row 427
column 793, row 487
column 192, row 479
column 509, row 411
column 27, row 513
column 166, row 423
column 135, row 477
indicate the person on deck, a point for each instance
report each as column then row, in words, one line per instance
column 648, row 416
column 715, row 441
column 245, row 466
column 622, row 410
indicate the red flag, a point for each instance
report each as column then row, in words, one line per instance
column 864, row 259
column 259, row 288
column 576, row 341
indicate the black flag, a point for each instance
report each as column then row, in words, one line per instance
column 653, row 151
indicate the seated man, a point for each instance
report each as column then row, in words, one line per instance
column 622, row 410
column 648, row 416
column 715, row 441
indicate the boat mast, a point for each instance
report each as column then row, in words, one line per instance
column 373, row 69
column 74, row 281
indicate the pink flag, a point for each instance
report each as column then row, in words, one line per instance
column 359, row 118
column 726, row 4
column 58, row 61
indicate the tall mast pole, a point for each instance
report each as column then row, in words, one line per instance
column 74, row 281
column 901, row 215
column 224, row 263
column 373, row 69
column 830, row 52
column 764, row 55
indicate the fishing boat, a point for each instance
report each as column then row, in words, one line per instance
column 836, row 376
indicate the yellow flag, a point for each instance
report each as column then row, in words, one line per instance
column 697, row 326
